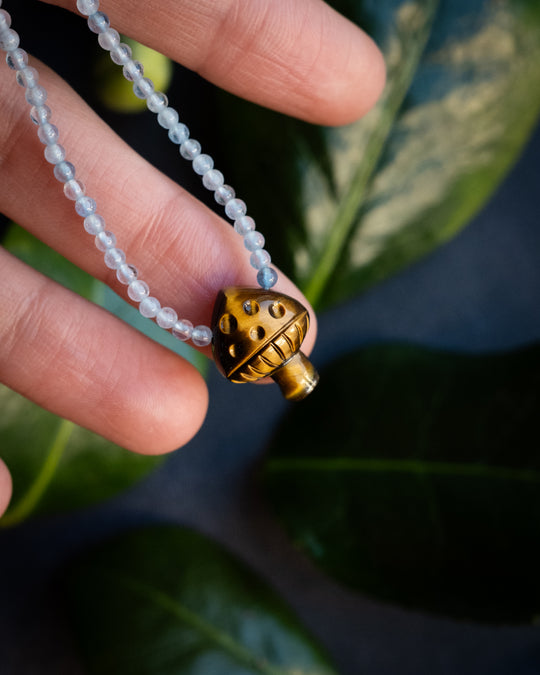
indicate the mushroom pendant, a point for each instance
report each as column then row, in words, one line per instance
column 257, row 334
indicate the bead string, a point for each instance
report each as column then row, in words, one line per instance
column 86, row 207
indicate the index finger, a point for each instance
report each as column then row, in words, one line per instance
column 299, row 57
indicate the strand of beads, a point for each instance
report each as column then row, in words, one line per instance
column 64, row 171
column 190, row 149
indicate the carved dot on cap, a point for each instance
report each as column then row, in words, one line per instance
column 228, row 324
column 251, row 307
column 257, row 333
column 232, row 350
column 277, row 310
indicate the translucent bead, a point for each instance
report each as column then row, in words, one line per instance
column 109, row 39
column 166, row 317
column 27, row 77
column 182, row 330
column 5, row 20
column 244, row 225
column 253, row 240
column 235, row 208
column 73, row 189
column 48, row 133
column 98, row 22
column 223, row 194
column 64, row 171
column 133, row 70
column 55, row 153
column 87, row 7
column 260, row 258
column 121, row 54
column 114, row 258
column 94, row 224
column 143, row 87
column 9, row 40
column 157, row 102
column 85, row 206
column 138, row 290
column 105, row 240
column 40, row 114
column 17, row 59
column 36, row 95
column 267, row 277
column 178, row 133
column 201, row 336
column 213, row 179
column 202, row 164
column 149, row 307
column 126, row 274
column 168, row 118
column 190, row 149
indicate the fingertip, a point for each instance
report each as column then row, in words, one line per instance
column 318, row 66
column 370, row 83
column 183, row 413
column 357, row 81
column 166, row 409
column 5, row 487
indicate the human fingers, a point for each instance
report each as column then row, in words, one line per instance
column 297, row 56
column 5, row 487
column 79, row 361
column 133, row 395
column 182, row 249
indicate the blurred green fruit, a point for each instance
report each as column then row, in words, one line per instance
column 116, row 93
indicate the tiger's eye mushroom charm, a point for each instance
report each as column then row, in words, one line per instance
column 258, row 333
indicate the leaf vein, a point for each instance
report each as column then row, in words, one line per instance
column 28, row 502
column 218, row 637
column 416, row 467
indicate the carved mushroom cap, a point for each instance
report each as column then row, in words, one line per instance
column 256, row 332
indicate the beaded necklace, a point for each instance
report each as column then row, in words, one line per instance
column 255, row 333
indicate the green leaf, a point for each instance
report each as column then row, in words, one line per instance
column 414, row 476
column 344, row 208
column 168, row 601
column 55, row 464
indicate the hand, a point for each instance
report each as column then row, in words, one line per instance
column 74, row 358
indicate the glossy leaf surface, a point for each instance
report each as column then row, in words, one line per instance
column 169, row 601
column 414, row 476
column 344, row 208
column 55, row 464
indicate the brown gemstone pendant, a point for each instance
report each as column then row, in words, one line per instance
column 257, row 334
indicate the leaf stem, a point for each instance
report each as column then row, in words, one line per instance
column 37, row 489
column 210, row 632
column 388, row 108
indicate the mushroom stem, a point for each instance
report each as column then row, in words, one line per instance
column 296, row 377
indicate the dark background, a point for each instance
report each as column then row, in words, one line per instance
column 478, row 293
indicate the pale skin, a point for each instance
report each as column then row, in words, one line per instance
column 296, row 56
